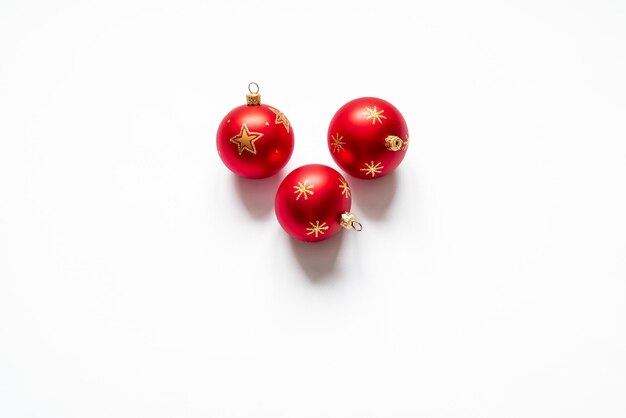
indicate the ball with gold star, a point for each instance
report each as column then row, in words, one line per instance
column 368, row 137
column 255, row 140
column 313, row 203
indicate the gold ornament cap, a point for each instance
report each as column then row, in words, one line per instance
column 394, row 143
column 348, row 221
column 253, row 98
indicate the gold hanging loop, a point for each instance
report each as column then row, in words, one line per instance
column 253, row 98
column 348, row 221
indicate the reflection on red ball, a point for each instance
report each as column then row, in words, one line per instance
column 310, row 202
column 368, row 137
column 255, row 141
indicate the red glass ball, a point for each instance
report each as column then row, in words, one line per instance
column 310, row 202
column 255, row 141
column 368, row 137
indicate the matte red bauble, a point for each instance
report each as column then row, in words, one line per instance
column 255, row 140
column 368, row 137
column 313, row 203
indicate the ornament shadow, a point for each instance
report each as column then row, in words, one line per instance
column 318, row 260
column 257, row 195
column 373, row 197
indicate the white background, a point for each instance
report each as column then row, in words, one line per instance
column 140, row 278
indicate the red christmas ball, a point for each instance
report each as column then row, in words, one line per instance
column 368, row 137
column 313, row 203
column 255, row 140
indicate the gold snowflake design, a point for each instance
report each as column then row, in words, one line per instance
column 317, row 228
column 373, row 169
column 337, row 142
column 345, row 189
column 303, row 189
column 374, row 115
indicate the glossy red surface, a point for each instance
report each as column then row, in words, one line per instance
column 255, row 141
column 357, row 133
column 310, row 200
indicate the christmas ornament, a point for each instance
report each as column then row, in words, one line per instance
column 313, row 203
column 255, row 140
column 368, row 137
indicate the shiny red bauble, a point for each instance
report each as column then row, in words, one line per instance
column 255, row 140
column 313, row 203
column 368, row 137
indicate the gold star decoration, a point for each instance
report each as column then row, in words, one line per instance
column 245, row 140
column 374, row 115
column 345, row 189
column 303, row 190
column 317, row 228
column 373, row 169
column 281, row 119
column 337, row 143
column 406, row 143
